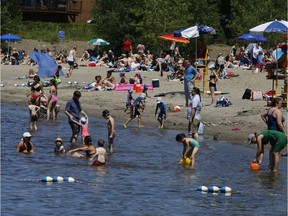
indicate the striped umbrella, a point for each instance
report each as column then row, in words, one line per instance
column 98, row 42
column 171, row 37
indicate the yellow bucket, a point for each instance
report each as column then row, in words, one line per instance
column 185, row 162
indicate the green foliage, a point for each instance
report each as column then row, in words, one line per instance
column 10, row 17
column 143, row 21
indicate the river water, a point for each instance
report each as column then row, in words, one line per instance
column 142, row 177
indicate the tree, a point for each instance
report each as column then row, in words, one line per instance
column 11, row 18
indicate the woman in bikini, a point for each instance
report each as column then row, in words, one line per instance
column 212, row 84
column 52, row 99
column 36, row 90
column 89, row 149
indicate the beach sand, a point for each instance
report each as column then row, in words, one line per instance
column 233, row 122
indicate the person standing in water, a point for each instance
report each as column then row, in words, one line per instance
column 190, row 147
column 111, row 129
column 73, row 110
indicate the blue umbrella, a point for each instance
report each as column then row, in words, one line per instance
column 250, row 37
column 9, row 37
column 47, row 65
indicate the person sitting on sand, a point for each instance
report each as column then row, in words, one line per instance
column 123, row 78
column 94, row 86
column 85, row 56
column 88, row 148
column 25, row 145
column 109, row 81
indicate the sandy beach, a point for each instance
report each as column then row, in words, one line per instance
column 233, row 122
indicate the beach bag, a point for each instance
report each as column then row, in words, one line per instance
column 247, row 94
column 256, row 95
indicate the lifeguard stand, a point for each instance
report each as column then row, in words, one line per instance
column 279, row 86
column 204, row 66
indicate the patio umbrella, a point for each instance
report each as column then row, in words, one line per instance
column 194, row 31
column 276, row 27
column 171, row 37
column 9, row 37
column 98, row 42
column 249, row 37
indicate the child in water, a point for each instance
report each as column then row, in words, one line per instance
column 190, row 147
column 33, row 109
column 100, row 153
column 59, row 148
column 110, row 128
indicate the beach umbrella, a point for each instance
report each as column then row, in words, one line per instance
column 9, row 37
column 193, row 32
column 250, row 37
column 98, row 42
column 171, row 37
column 275, row 26
column 47, row 65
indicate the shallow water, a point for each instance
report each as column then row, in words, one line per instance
column 143, row 177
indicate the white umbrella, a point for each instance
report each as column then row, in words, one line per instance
column 276, row 27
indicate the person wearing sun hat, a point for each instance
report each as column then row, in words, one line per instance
column 278, row 142
column 162, row 114
column 25, row 145
column 59, row 148
column 111, row 129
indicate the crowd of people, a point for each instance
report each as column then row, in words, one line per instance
column 184, row 70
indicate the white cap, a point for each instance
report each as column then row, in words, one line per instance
column 26, row 134
column 159, row 100
column 250, row 137
column 143, row 95
column 83, row 120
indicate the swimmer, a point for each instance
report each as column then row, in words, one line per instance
column 190, row 147
column 89, row 149
column 25, row 145
column 59, row 148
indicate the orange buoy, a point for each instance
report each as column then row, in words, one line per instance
column 177, row 108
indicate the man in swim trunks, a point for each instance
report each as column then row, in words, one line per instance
column 73, row 110
column 25, row 145
column 278, row 142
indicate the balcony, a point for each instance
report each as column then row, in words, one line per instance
column 69, row 7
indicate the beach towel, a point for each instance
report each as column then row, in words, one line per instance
column 223, row 102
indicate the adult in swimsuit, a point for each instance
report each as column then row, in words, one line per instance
column 52, row 99
column 89, row 149
column 25, row 145
column 212, row 84
column 36, row 90
column 273, row 116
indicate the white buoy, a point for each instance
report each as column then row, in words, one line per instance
column 2, row 85
column 23, row 84
column 70, row 82
column 16, row 85
column 75, row 82
column 225, row 189
column 58, row 179
column 47, row 179
column 213, row 189
column 69, row 179
column 202, row 188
